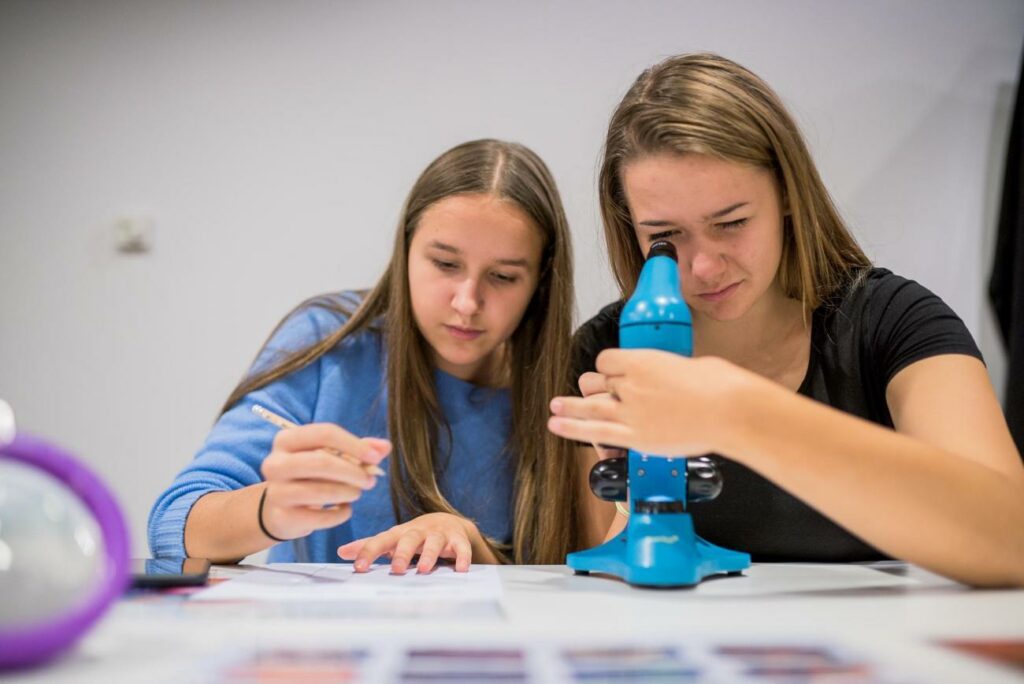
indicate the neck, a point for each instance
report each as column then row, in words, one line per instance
column 493, row 371
column 758, row 337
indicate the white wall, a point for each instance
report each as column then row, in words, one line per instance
column 273, row 142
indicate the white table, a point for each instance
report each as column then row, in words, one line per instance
column 889, row 611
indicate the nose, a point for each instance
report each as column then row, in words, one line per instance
column 707, row 265
column 466, row 299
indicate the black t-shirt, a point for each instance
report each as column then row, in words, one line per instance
column 860, row 339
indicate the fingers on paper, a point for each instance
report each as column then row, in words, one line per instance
column 433, row 545
column 463, row 553
column 373, row 548
column 408, row 544
column 352, row 550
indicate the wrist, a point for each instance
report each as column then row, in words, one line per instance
column 261, row 519
column 742, row 398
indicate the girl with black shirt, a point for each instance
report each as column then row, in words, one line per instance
column 851, row 406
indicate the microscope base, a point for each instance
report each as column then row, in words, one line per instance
column 660, row 550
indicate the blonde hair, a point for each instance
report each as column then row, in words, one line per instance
column 546, row 509
column 706, row 104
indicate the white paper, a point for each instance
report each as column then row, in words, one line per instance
column 339, row 582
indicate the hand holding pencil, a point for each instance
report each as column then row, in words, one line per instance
column 313, row 474
column 284, row 423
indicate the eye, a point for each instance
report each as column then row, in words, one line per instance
column 733, row 225
column 505, row 278
column 664, row 235
column 443, row 265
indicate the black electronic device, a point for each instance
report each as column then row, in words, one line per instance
column 157, row 573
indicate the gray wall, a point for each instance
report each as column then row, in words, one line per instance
column 272, row 144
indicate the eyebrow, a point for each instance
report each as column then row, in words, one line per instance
column 713, row 215
column 455, row 250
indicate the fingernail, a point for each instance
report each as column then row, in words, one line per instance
column 361, row 565
column 556, row 405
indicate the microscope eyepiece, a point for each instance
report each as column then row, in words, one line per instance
column 663, row 248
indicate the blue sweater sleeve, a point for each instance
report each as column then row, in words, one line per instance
column 236, row 446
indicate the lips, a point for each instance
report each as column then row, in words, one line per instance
column 461, row 333
column 719, row 295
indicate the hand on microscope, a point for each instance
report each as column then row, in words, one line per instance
column 656, row 402
column 594, row 385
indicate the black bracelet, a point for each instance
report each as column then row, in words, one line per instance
column 259, row 518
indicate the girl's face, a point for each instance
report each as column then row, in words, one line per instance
column 474, row 263
column 725, row 219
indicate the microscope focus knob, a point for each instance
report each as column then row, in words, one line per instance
column 652, row 506
column 609, row 479
column 703, row 481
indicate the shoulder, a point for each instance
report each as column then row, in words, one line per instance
column 321, row 315
column 599, row 333
column 311, row 322
column 606, row 320
column 879, row 297
column 877, row 288
column 895, row 320
column 308, row 369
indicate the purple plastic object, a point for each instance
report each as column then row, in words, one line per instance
column 32, row 644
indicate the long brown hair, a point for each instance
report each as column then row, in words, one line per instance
column 546, row 511
column 707, row 104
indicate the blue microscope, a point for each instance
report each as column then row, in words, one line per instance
column 658, row 547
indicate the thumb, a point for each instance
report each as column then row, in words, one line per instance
column 614, row 361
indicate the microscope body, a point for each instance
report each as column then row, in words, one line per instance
column 659, row 546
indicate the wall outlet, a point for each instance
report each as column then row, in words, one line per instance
column 133, row 234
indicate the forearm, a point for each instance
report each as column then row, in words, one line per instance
column 907, row 498
column 223, row 526
column 618, row 524
column 596, row 515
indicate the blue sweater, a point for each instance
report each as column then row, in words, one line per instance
column 345, row 386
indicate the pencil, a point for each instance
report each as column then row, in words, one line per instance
column 284, row 424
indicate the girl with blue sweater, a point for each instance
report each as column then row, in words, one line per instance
column 440, row 374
